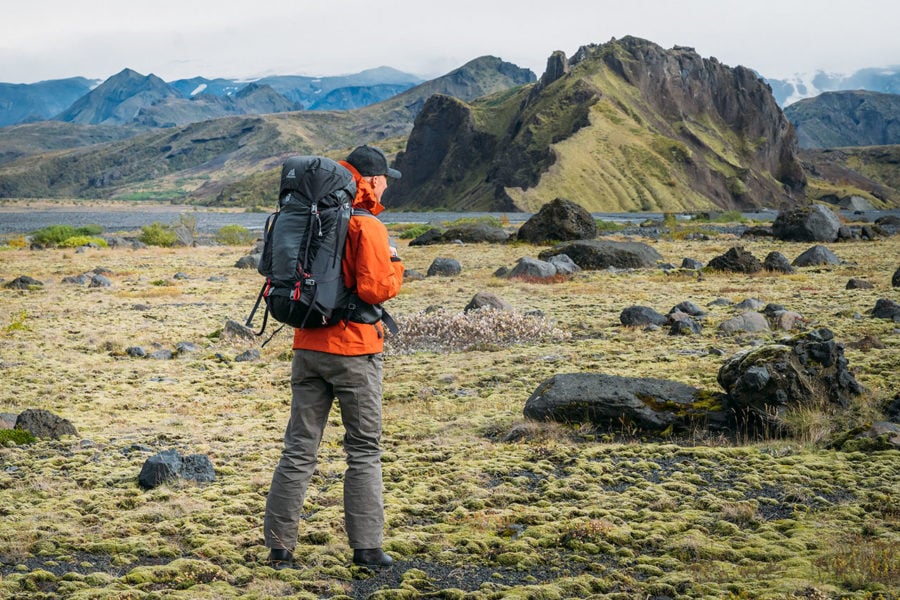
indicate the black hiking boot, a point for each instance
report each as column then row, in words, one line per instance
column 372, row 557
column 280, row 559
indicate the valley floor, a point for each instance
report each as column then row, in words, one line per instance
column 480, row 503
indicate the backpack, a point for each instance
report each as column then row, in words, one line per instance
column 303, row 244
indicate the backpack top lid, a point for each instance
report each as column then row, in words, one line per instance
column 315, row 178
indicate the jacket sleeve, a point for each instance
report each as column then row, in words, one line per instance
column 377, row 277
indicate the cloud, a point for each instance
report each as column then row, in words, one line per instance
column 43, row 39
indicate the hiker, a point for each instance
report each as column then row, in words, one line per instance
column 342, row 361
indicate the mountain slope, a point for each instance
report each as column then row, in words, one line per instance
column 118, row 100
column 253, row 99
column 871, row 172
column 620, row 126
column 836, row 119
column 24, row 103
column 19, row 141
column 201, row 159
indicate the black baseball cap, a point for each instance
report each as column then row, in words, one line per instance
column 371, row 161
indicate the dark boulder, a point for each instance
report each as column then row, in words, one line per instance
column 44, row 424
column 747, row 322
column 602, row 254
column 564, row 265
column 682, row 324
column 801, row 371
column 432, row 236
column 758, row 231
column 613, row 402
column 170, row 465
column 251, row 261
column 559, row 220
column 690, row 263
column 889, row 224
column 886, row 309
column 532, row 268
column 815, row 223
column 100, row 281
column 636, row 316
column 736, row 260
column 24, row 282
column 776, row 261
column 816, row 256
column 859, row 284
column 247, row 355
column 234, row 330
column 473, row 233
column 688, row 308
column 487, row 300
column 895, row 280
column 444, row 267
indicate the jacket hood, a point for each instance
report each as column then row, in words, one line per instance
column 365, row 194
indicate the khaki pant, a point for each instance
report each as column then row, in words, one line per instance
column 317, row 378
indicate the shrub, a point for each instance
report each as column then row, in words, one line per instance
column 89, row 230
column 234, row 235
column 82, row 240
column 53, row 234
column 15, row 437
column 56, row 235
column 414, row 231
column 608, row 225
column 158, row 234
column 483, row 329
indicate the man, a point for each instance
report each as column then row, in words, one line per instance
column 342, row 361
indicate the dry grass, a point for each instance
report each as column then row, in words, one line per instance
column 552, row 512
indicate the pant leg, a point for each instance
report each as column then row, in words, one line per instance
column 359, row 395
column 311, row 399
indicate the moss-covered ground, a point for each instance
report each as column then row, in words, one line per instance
column 479, row 502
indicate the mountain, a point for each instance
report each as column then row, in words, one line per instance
column 620, row 126
column 306, row 91
column 118, row 100
column 788, row 91
column 188, row 88
column 253, row 99
column 127, row 92
column 871, row 172
column 202, row 159
column 348, row 98
column 25, row 103
column 836, row 119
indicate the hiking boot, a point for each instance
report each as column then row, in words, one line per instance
column 280, row 558
column 372, row 557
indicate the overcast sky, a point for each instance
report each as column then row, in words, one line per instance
column 174, row 39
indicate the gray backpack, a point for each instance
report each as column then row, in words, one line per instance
column 303, row 244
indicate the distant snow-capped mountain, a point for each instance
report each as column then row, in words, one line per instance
column 876, row 79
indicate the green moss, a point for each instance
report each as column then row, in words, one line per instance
column 14, row 437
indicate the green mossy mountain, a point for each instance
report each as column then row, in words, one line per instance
column 838, row 119
column 620, row 126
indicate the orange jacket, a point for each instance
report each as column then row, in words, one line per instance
column 368, row 268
